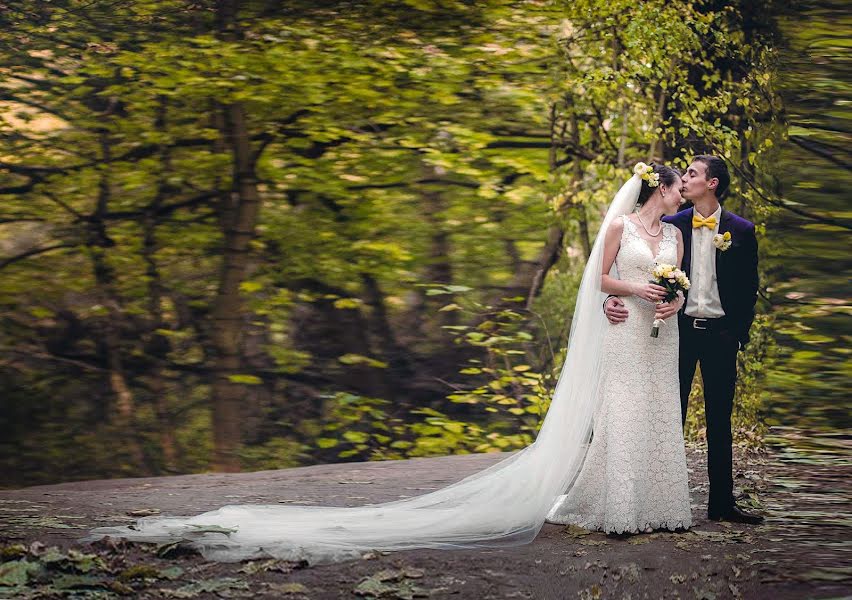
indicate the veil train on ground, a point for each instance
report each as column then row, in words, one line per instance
column 505, row 504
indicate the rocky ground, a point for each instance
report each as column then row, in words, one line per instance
column 802, row 485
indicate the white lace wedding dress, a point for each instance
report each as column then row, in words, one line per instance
column 634, row 476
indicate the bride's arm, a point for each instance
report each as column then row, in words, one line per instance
column 612, row 242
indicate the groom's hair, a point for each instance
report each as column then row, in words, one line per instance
column 717, row 168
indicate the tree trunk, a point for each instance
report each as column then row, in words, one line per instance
column 428, row 318
column 158, row 345
column 659, row 116
column 530, row 279
column 239, row 218
column 391, row 350
column 122, row 411
column 227, row 317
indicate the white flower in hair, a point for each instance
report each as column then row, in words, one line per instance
column 646, row 172
column 653, row 179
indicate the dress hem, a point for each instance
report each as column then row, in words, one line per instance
column 653, row 525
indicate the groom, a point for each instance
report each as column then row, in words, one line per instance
column 720, row 259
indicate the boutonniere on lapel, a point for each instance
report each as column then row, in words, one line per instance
column 722, row 241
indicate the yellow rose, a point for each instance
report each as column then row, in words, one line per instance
column 727, row 236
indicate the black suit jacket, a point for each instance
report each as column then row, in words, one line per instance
column 736, row 267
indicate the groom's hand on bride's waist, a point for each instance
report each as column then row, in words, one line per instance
column 615, row 310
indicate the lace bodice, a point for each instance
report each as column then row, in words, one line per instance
column 635, row 258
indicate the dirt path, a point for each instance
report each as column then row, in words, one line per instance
column 800, row 552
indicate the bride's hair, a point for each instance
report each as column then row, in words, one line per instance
column 668, row 176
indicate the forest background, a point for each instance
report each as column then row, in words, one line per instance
column 249, row 235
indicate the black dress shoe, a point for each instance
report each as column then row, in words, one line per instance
column 735, row 515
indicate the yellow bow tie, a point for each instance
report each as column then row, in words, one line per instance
column 709, row 222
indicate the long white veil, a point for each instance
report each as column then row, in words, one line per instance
column 505, row 504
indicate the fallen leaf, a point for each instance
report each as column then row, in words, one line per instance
column 13, row 551
column 255, row 566
column 592, row 593
column 385, row 585
column 171, row 573
column 143, row 512
column 17, row 572
column 287, row 588
column 576, row 531
column 737, row 571
column 70, row 582
column 413, row 572
column 139, row 572
column 639, row 539
column 631, row 572
column 168, row 549
column 589, row 542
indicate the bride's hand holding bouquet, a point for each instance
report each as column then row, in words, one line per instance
column 674, row 282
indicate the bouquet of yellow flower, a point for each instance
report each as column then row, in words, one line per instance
column 673, row 280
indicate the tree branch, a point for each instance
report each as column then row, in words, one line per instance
column 814, row 147
column 165, row 209
column 834, row 128
column 780, row 203
column 32, row 252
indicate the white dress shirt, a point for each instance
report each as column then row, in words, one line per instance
column 703, row 299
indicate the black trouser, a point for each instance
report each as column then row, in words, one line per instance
column 715, row 348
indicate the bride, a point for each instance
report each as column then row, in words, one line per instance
column 616, row 379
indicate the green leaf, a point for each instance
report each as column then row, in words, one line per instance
column 17, row 573
column 356, row 437
column 245, row 379
column 358, row 359
column 347, row 303
column 450, row 307
column 251, row 286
